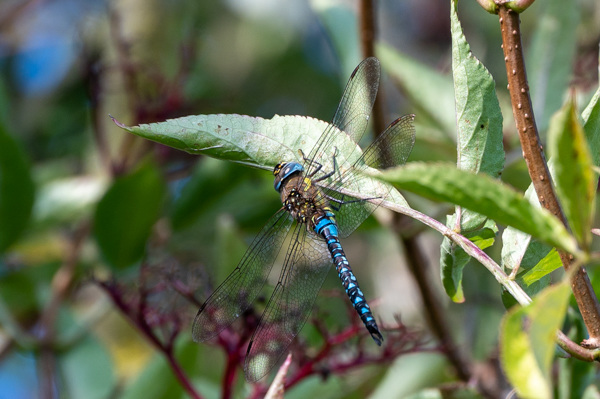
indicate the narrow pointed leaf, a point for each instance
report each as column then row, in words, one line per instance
column 252, row 141
column 545, row 266
column 573, row 172
column 527, row 340
column 478, row 115
column 481, row 193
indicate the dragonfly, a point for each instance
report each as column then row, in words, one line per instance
column 318, row 209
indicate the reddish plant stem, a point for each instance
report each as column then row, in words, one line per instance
column 536, row 162
column 234, row 359
column 180, row 375
column 578, row 352
column 330, row 342
column 140, row 323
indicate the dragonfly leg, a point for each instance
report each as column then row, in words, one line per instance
column 327, row 175
column 310, row 161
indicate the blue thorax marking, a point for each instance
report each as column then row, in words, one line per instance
column 284, row 170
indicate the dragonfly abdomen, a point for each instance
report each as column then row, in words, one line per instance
column 326, row 227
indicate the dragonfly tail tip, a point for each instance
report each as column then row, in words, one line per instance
column 377, row 337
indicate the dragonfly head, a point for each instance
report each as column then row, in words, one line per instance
column 284, row 171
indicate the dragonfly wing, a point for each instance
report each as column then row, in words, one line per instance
column 353, row 112
column 241, row 288
column 391, row 148
column 305, row 268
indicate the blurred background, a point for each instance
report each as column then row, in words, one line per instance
column 69, row 177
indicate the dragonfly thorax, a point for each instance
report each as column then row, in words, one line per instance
column 285, row 170
column 303, row 200
column 301, row 207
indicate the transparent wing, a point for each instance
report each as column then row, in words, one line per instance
column 352, row 114
column 305, row 268
column 245, row 283
column 391, row 148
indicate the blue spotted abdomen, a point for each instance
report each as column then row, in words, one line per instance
column 326, row 227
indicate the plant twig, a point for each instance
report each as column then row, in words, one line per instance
column 368, row 32
column 181, row 376
column 437, row 321
column 536, row 162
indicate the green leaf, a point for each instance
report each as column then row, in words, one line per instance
column 479, row 146
column 453, row 258
column 17, row 191
column 478, row 115
column 545, row 266
column 258, row 142
column 252, row 141
column 573, row 173
column 481, row 193
column 550, row 59
column 421, row 84
column 485, row 236
column 125, row 215
column 527, row 341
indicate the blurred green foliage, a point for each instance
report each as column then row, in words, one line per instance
column 80, row 198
